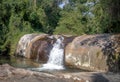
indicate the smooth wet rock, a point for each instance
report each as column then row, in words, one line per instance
column 35, row 46
column 23, row 44
column 94, row 52
column 11, row 74
column 91, row 52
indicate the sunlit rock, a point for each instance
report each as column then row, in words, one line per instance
column 94, row 52
column 35, row 46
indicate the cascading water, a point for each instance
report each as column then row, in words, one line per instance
column 56, row 57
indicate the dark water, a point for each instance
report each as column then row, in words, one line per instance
column 19, row 62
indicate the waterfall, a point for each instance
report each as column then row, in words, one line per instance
column 56, row 57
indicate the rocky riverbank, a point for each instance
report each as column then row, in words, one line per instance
column 11, row 74
column 91, row 52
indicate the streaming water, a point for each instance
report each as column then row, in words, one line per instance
column 55, row 62
column 56, row 57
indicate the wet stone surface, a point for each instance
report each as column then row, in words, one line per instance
column 11, row 74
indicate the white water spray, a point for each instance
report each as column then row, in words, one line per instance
column 56, row 57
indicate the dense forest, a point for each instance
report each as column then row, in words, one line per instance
column 74, row 17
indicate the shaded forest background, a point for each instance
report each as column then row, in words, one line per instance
column 74, row 17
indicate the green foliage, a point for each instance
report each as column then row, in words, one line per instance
column 16, row 19
column 73, row 19
column 71, row 23
column 106, row 16
column 90, row 17
column 51, row 10
column 19, row 17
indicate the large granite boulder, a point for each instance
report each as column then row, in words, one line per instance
column 35, row 46
column 94, row 52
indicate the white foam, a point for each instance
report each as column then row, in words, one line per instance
column 55, row 61
column 51, row 67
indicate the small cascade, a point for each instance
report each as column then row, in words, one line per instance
column 56, row 57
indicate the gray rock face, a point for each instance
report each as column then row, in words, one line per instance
column 94, row 52
column 34, row 46
column 11, row 74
